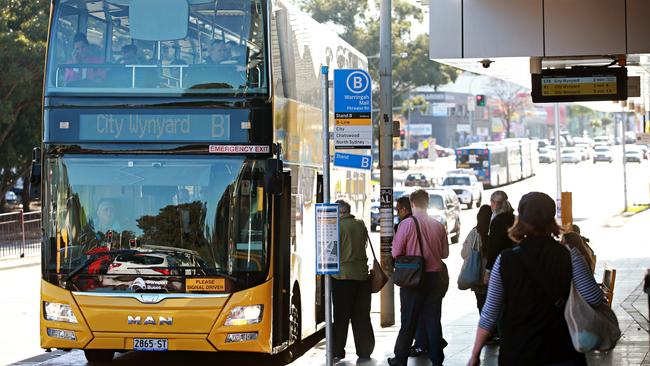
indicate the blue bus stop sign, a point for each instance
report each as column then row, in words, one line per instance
column 352, row 106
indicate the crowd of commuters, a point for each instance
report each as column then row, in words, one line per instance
column 527, row 264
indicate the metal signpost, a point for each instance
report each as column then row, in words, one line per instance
column 386, row 160
column 329, row 343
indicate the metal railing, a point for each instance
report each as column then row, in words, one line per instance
column 20, row 233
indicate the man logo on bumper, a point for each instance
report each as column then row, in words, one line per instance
column 149, row 320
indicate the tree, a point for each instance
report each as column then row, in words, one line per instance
column 23, row 33
column 511, row 99
column 582, row 114
column 411, row 64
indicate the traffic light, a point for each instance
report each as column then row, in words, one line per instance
column 480, row 100
column 402, row 138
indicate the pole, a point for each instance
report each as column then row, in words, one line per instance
column 407, row 132
column 624, row 128
column 329, row 343
column 386, row 160
column 558, row 158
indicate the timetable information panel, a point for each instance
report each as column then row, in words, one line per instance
column 584, row 84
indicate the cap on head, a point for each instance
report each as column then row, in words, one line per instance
column 536, row 209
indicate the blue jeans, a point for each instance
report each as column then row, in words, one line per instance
column 422, row 306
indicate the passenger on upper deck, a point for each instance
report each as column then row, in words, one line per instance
column 129, row 55
column 81, row 55
column 216, row 52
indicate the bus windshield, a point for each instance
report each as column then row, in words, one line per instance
column 147, row 223
column 153, row 47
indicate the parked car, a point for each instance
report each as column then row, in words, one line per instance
column 633, row 154
column 468, row 189
column 603, row 140
column 583, row 141
column 418, row 180
column 443, row 151
column 542, row 143
column 645, row 150
column 404, row 154
column 11, row 197
column 603, row 153
column 585, row 150
column 444, row 206
column 546, row 156
column 374, row 216
column 571, row 155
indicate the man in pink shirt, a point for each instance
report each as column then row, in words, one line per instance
column 421, row 305
column 81, row 55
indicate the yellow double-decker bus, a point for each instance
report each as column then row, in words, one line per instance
column 180, row 167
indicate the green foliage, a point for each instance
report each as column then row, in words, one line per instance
column 411, row 64
column 23, row 33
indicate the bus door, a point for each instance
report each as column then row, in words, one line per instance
column 281, row 212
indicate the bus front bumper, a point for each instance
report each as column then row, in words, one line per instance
column 187, row 324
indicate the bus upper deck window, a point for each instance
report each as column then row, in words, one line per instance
column 152, row 20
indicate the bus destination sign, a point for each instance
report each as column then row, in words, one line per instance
column 581, row 84
column 136, row 127
column 209, row 126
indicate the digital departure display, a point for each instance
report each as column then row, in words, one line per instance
column 581, row 84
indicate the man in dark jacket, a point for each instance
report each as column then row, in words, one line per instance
column 502, row 220
column 351, row 288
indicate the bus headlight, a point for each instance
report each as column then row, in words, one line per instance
column 243, row 315
column 59, row 312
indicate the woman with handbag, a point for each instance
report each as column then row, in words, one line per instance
column 474, row 243
column 351, row 288
column 531, row 284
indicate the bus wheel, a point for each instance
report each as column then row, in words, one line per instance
column 99, row 355
column 295, row 326
column 291, row 353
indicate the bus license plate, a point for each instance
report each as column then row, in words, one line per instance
column 149, row 344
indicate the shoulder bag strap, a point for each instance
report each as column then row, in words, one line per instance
column 559, row 302
column 417, row 228
column 371, row 248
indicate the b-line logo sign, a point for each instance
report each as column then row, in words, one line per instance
column 352, row 106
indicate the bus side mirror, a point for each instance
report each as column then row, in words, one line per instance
column 35, row 176
column 275, row 183
column 273, row 178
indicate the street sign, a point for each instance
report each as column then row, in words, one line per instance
column 353, row 161
column 643, row 138
column 327, row 238
column 386, row 219
column 352, row 106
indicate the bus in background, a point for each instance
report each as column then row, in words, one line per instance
column 500, row 162
column 489, row 162
column 180, row 165
column 529, row 155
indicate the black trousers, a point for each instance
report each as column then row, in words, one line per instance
column 422, row 308
column 351, row 302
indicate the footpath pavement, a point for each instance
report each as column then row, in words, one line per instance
column 18, row 262
column 460, row 319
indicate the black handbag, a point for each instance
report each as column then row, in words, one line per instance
column 409, row 268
